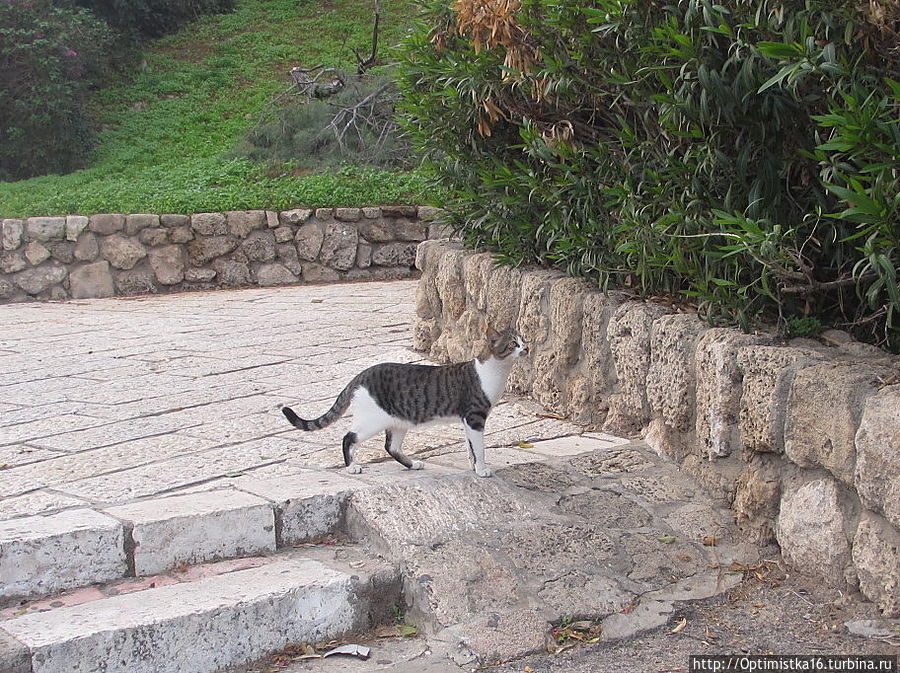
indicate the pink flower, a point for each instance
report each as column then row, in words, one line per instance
column 71, row 52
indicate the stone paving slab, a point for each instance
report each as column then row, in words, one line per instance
column 113, row 404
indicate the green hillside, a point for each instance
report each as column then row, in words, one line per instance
column 167, row 132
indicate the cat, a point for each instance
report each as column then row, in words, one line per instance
column 393, row 398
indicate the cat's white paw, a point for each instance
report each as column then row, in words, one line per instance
column 417, row 465
column 483, row 471
column 354, row 468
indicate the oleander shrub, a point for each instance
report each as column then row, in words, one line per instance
column 741, row 156
column 146, row 19
column 50, row 55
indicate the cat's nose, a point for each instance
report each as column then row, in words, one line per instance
column 524, row 350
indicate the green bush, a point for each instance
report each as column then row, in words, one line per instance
column 741, row 154
column 142, row 19
column 49, row 57
column 357, row 125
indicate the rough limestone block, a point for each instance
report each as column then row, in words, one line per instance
column 534, row 323
column 316, row 273
column 40, row 278
column 75, row 224
column 671, row 379
column 503, row 297
column 308, row 240
column 477, row 270
column 43, row 554
column 629, row 340
column 242, row 222
column 587, row 393
column 283, row 234
column 168, row 264
column 823, row 414
column 757, row 497
column 259, row 246
column 189, row 529
column 339, row 246
column 558, row 356
column 877, row 475
column 231, row 273
column 87, row 248
column 297, row 216
column 718, row 381
column 399, row 211
column 451, row 285
column 181, row 235
column 11, row 262
column 203, row 250
column 134, row 224
column 209, row 224
column 91, row 280
column 122, row 252
column 308, row 506
column 153, row 236
column 135, row 281
column 876, row 556
column 428, row 213
column 107, row 223
column 45, row 228
column 202, row 626
column 363, row 255
column 175, row 221
column 406, row 230
column 767, row 375
column 36, row 253
column 287, row 256
column 428, row 300
column 395, row 254
column 12, row 232
column 812, row 531
column 275, row 274
column 347, row 214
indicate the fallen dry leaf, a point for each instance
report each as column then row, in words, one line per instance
column 524, row 445
column 710, row 541
column 666, row 539
column 679, row 627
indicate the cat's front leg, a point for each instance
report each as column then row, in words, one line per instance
column 474, row 424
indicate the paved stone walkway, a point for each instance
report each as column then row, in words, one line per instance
column 108, row 401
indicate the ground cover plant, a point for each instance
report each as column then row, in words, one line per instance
column 741, row 156
column 166, row 135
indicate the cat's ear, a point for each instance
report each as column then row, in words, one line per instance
column 491, row 333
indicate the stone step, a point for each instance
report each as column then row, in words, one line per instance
column 75, row 548
column 207, row 624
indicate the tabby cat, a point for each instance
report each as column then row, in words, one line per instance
column 392, row 398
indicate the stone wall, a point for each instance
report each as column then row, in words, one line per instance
column 106, row 255
column 800, row 439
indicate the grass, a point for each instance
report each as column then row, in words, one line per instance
column 168, row 132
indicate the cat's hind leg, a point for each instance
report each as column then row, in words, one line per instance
column 393, row 443
column 474, row 424
column 351, row 441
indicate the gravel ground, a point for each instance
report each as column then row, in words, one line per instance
column 770, row 612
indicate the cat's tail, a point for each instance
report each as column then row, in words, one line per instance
column 337, row 410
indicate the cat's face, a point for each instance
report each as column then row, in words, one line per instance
column 508, row 344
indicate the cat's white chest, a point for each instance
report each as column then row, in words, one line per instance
column 492, row 375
